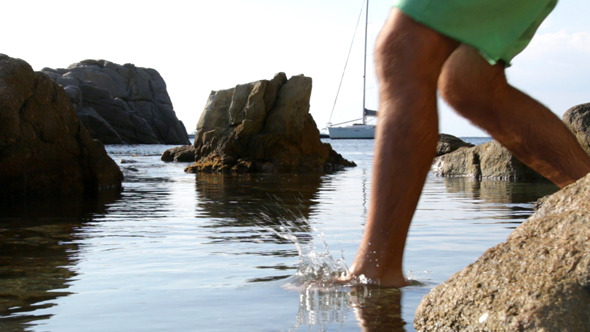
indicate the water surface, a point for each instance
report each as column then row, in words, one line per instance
column 215, row 252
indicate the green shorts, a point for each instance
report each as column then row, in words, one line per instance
column 499, row 29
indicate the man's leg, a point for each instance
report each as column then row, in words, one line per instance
column 409, row 58
column 528, row 129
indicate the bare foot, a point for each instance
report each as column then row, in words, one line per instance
column 355, row 277
column 375, row 275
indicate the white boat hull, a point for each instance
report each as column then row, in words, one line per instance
column 352, row 132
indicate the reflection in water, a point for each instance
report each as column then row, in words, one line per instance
column 275, row 208
column 259, row 209
column 240, row 197
column 510, row 199
column 322, row 302
column 374, row 308
column 497, row 191
column 36, row 254
column 322, row 306
column 179, row 250
column 325, row 305
column 377, row 308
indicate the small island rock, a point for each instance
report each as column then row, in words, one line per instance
column 263, row 126
column 121, row 104
column 44, row 149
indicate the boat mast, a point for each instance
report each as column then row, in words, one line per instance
column 365, row 63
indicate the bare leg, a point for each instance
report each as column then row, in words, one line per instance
column 409, row 58
column 528, row 129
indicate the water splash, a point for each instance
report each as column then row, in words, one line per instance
column 323, row 301
column 326, row 302
column 317, row 267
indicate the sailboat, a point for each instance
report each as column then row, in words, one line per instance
column 361, row 130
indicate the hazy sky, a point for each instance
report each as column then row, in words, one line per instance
column 203, row 45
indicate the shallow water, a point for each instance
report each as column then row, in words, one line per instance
column 214, row 252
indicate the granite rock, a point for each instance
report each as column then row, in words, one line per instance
column 538, row 280
column 263, row 126
column 484, row 161
column 121, row 104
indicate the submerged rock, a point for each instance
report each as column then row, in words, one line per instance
column 577, row 119
column 488, row 160
column 121, row 104
column 263, row 126
column 538, row 280
column 44, row 149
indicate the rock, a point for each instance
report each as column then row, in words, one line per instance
column 44, row 149
column 121, row 104
column 180, row 154
column 489, row 160
column 449, row 143
column 263, row 126
column 538, row 280
column 577, row 119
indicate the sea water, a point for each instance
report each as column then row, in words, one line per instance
column 218, row 252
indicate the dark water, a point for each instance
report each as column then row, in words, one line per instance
column 214, row 252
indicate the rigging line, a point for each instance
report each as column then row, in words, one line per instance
column 346, row 63
column 345, row 122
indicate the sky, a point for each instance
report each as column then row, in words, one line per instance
column 203, row 45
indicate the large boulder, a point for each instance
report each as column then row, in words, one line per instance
column 538, row 280
column 263, row 126
column 44, row 149
column 121, row 104
column 577, row 119
column 488, row 160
